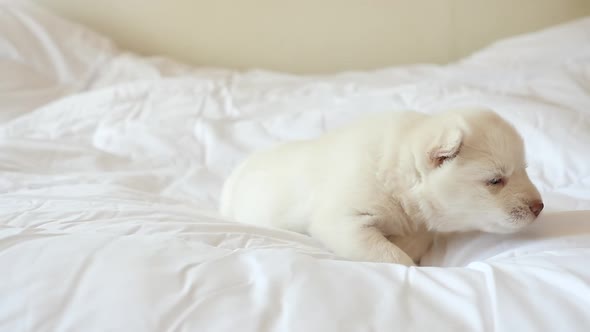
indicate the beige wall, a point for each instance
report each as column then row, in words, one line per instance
column 312, row 36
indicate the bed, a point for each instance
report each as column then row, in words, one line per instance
column 112, row 163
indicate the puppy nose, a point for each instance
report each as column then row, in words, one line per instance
column 536, row 207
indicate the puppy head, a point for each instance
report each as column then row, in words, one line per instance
column 473, row 175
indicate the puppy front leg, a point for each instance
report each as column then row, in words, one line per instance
column 358, row 240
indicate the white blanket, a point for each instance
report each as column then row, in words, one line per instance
column 111, row 165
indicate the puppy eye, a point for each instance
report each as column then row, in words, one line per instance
column 496, row 181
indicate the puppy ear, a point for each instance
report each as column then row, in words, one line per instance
column 446, row 147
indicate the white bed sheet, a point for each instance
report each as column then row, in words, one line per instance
column 111, row 165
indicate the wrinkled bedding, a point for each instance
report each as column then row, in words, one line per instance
column 111, row 165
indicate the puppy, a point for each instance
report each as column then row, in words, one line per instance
column 376, row 190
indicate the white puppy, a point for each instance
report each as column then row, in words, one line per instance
column 388, row 181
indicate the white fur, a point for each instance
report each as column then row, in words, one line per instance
column 387, row 182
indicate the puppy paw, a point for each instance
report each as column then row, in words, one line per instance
column 394, row 255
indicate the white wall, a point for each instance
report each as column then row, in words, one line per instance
column 314, row 36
